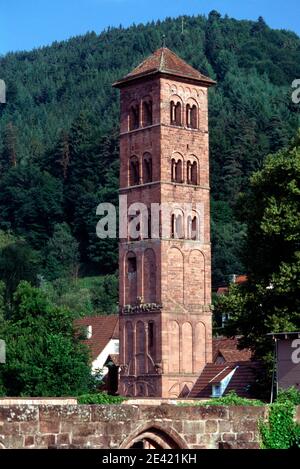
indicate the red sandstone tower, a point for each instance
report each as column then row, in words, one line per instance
column 165, row 282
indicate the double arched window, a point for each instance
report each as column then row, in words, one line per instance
column 192, row 172
column 191, row 113
column 185, row 227
column 177, row 170
column 140, row 170
column 191, row 116
column 176, row 113
column 140, row 114
column 185, row 171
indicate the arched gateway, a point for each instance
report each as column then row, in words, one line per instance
column 154, row 437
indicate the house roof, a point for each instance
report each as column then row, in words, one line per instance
column 237, row 279
column 104, row 328
column 165, row 61
column 222, row 374
column 241, row 279
column 228, row 349
column 241, row 382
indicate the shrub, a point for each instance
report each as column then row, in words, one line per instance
column 292, row 395
column 99, row 398
column 281, row 431
column 230, row 399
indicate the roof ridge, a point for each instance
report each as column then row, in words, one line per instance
column 220, row 372
column 161, row 64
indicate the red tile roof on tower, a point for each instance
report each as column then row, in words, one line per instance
column 166, row 62
column 104, row 328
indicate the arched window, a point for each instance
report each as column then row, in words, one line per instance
column 147, row 168
column 131, row 293
column 194, row 123
column 177, row 229
column 151, row 338
column 149, row 280
column 134, row 117
column 140, row 348
column 173, row 227
column 134, row 171
column 147, row 113
column 149, row 234
column 193, row 231
column 175, row 113
column 191, row 116
column 176, row 170
column 192, row 173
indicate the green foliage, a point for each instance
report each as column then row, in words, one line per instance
column 280, row 432
column 270, row 300
column 61, row 254
column 292, row 395
column 2, row 301
column 44, row 358
column 105, row 294
column 100, row 399
column 30, row 203
column 59, row 128
column 18, row 261
column 85, row 296
column 231, row 399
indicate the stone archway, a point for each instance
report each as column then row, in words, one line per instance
column 154, row 437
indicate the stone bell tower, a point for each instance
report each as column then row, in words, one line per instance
column 165, row 280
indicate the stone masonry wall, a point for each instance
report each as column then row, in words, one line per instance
column 105, row 427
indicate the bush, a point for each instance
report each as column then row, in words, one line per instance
column 99, row 398
column 281, row 431
column 291, row 395
column 230, row 399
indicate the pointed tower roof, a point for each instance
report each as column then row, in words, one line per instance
column 165, row 62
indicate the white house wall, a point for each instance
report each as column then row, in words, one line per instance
column 112, row 348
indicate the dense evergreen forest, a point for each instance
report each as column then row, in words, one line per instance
column 59, row 139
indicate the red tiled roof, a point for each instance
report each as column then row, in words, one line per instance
column 236, row 355
column 165, row 61
column 222, row 290
column 228, row 349
column 241, row 279
column 243, row 378
column 222, row 374
column 104, row 328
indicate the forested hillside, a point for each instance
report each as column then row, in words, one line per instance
column 59, row 133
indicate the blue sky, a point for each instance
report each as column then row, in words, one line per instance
column 25, row 24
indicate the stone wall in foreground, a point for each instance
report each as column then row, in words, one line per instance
column 121, row 426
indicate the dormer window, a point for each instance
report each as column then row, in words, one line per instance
column 216, row 390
